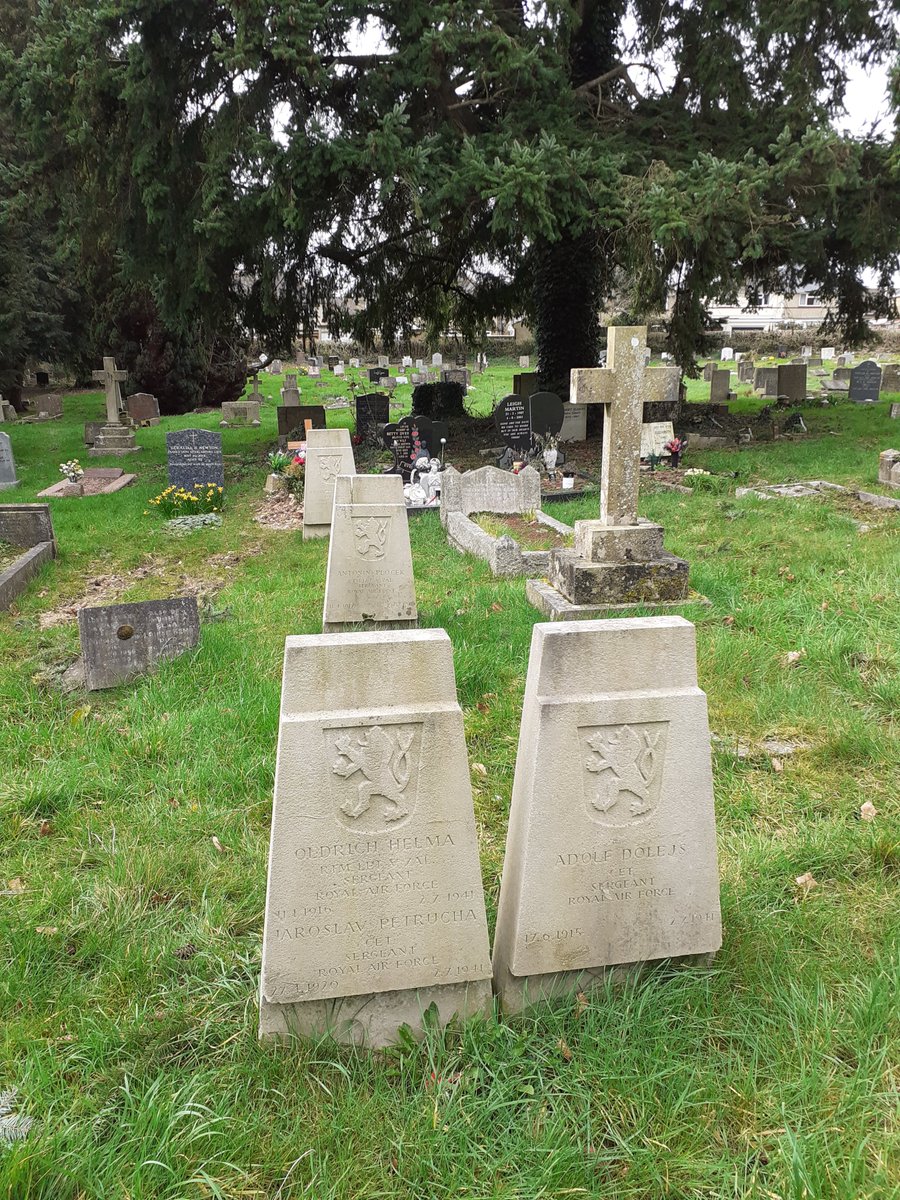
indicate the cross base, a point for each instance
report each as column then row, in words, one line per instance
column 114, row 440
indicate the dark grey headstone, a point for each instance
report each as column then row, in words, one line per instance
column 25, row 524
column 292, row 418
column 8, row 477
column 719, row 387
column 51, row 405
column 414, row 437
column 526, row 383
column 119, row 642
column 376, row 374
column 746, row 368
column 841, row 375
column 142, row 406
column 865, row 382
column 512, row 419
column 195, row 457
column 372, row 411
column 708, row 371
column 91, row 429
column 767, row 379
column 792, row 381
column 455, row 375
column 547, row 414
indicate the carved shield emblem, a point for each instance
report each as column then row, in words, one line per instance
column 369, row 537
column 622, row 768
column 375, row 774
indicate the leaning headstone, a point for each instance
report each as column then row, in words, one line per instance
column 240, row 412
column 328, row 455
column 292, row 419
column 370, row 573
column 119, row 642
column 720, row 387
column 142, row 407
column 372, row 411
column 194, row 457
column 374, row 907
column 290, row 393
column 611, row 850
column 895, row 412
column 865, row 382
column 890, row 377
column 791, row 383
column 49, row 406
column 8, row 477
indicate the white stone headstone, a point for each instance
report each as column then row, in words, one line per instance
column 339, row 369
column 654, row 435
column 574, row 426
column 354, row 363
column 437, row 360
column 370, row 571
column 524, row 361
column 827, row 352
column 611, row 851
column 383, row 360
column 329, row 454
column 407, row 361
column 727, row 354
column 420, row 363
column 374, row 908
column 806, row 352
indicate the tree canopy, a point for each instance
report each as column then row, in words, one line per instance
column 453, row 161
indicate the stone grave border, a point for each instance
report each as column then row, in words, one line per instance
column 19, row 574
column 503, row 554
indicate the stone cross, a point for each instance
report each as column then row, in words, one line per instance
column 111, row 378
column 621, row 387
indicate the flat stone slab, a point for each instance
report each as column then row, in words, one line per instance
column 789, row 491
column 877, row 501
column 97, row 481
column 18, row 575
column 120, row 642
column 553, row 606
column 375, row 908
column 611, row 851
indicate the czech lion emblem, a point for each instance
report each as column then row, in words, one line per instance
column 382, row 758
column 370, row 535
column 623, row 770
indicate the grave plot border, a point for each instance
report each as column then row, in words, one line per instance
column 15, row 579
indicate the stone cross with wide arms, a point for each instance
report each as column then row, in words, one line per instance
column 111, row 378
column 621, row 387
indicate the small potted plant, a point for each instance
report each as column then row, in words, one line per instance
column 73, row 472
column 675, row 447
column 279, row 461
column 568, row 480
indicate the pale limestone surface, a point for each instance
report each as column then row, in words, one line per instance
column 329, row 453
column 370, row 571
column 889, row 468
column 8, row 477
column 488, row 489
column 374, row 907
column 654, row 435
column 611, row 851
column 110, row 377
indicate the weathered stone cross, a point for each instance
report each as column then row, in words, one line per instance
column 111, row 378
column 622, row 387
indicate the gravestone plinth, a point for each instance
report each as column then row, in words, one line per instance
column 8, row 477
column 370, row 573
column 115, row 440
column 611, row 851
column 618, row 561
column 240, row 412
column 374, row 907
column 889, row 468
column 120, row 642
column 194, row 458
column 329, row 454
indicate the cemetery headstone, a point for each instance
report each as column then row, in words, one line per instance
column 406, row 361
column 791, row 382
column 113, row 437
column 720, row 387
column 727, row 354
column 338, row 369
column 526, row 384
column 841, row 375
column 524, row 362
column 28, row 527
column 654, row 435
column 574, row 426
column 290, row 393
column 329, row 454
column 384, row 361
column 49, row 406
column 895, row 412
column 370, row 573
column 354, row 945
column 746, row 369
column 513, row 422
column 275, row 367
column 827, row 352
column 865, row 382
column 376, row 374
column 372, row 411
column 420, row 364
column 193, row 457
column 766, row 380
column 240, row 412
column 890, row 377
column 354, row 363
column 91, row 429
column 142, row 407
column 889, row 468
column 119, row 642
column 8, row 477
column 292, row 419
column 437, row 360
column 708, row 369
column 455, row 375
column 414, row 437
column 611, row 850
column 333, row 361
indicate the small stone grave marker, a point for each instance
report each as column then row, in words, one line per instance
column 329, row 454
column 292, row 419
column 370, row 573
column 120, row 642
column 142, row 407
column 359, row 952
column 437, row 360
column 574, row 426
column 727, row 354
column 290, row 393
column 611, row 850
column 372, row 411
column 654, row 435
column 719, row 387
column 49, row 406
column 524, row 361
column 865, row 382
column 194, row 456
column 8, row 477
column 791, row 382
column 376, row 374
column 240, row 412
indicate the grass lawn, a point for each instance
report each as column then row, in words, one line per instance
column 130, row 939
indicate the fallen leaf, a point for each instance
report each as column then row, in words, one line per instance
column 806, row 882
column 79, row 714
column 728, row 621
column 45, row 828
column 173, row 803
column 14, row 887
column 868, row 811
column 581, row 1003
column 218, row 845
column 793, row 657
column 777, row 766
column 48, row 929
column 480, row 768
column 564, row 1049
column 496, row 607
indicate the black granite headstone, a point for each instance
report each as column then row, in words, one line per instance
column 376, row 374
column 865, row 382
column 547, row 414
column 512, row 418
column 414, row 437
column 291, row 418
column 372, row 411
column 194, row 456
